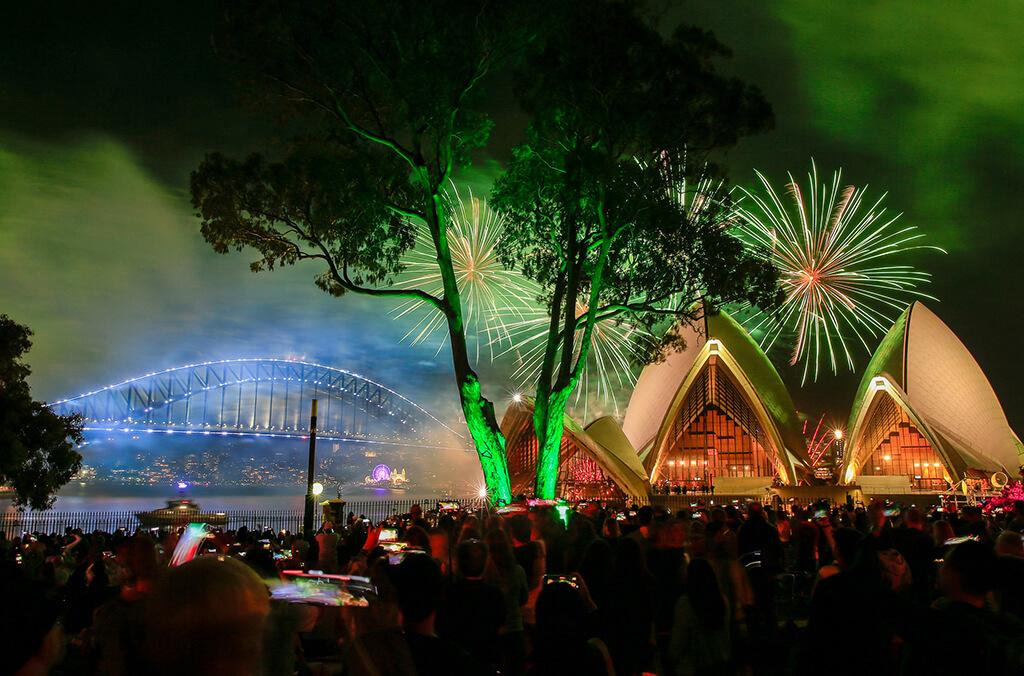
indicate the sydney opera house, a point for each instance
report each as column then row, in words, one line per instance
column 716, row 417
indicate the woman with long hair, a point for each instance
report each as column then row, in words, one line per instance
column 701, row 642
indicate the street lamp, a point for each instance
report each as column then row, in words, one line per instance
column 318, row 488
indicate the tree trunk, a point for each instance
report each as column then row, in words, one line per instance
column 488, row 439
column 548, row 426
column 549, row 415
column 478, row 411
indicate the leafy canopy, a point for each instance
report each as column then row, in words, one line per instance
column 623, row 121
column 37, row 446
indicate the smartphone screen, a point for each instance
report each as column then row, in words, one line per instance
column 562, row 579
column 388, row 535
column 324, row 590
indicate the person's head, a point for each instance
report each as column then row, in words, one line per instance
column 471, row 558
column 1010, row 543
column 876, row 515
column 966, row 573
column 561, row 616
column 520, row 528
column 894, row 568
column 502, row 559
column 914, row 518
column 645, row 515
column 418, row 581
column 417, row 537
column 416, row 512
column 755, row 511
column 470, row 529
column 942, row 531
column 704, row 594
column 629, row 559
column 207, row 617
column 847, row 541
column 96, row 574
column 439, row 543
column 137, row 555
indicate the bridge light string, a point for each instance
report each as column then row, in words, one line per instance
column 242, row 381
column 256, row 360
column 270, row 435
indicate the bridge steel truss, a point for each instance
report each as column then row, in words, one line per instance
column 270, row 396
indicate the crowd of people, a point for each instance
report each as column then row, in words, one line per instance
column 737, row 589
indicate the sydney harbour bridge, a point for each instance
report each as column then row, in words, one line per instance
column 261, row 397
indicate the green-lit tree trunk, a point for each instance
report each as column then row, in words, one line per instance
column 548, row 426
column 551, row 401
column 477, row 409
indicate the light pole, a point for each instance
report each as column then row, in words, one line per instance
column 307, row 517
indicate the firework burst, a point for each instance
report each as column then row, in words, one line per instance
column 838, row 268
column 615, row 349
column 492, row 294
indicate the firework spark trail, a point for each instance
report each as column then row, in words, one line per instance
column 491, row 294
column 615, row 349
column 838, row 289
column 819, row 441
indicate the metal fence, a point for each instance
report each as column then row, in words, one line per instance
column 14, row 523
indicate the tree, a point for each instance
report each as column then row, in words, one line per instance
column 600, row 198
column 388, row 97
column 37, row 446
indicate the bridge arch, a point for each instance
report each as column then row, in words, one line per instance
column 257, row 396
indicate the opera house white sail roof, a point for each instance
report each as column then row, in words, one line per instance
column 663, row 387
column 932, row 377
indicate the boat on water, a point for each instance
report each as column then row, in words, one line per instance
column 179, row 512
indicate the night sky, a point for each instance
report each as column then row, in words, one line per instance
column 106, row 107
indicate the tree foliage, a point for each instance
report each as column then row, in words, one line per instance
column 37, row 446
column 388, row 98
column 622, row 119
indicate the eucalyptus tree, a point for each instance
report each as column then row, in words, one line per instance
column 612, row 203
column 387, row 101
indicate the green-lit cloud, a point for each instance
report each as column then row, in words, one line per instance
column 90, row 246
column 934, row 89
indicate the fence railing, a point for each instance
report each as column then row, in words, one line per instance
column 14, row 523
